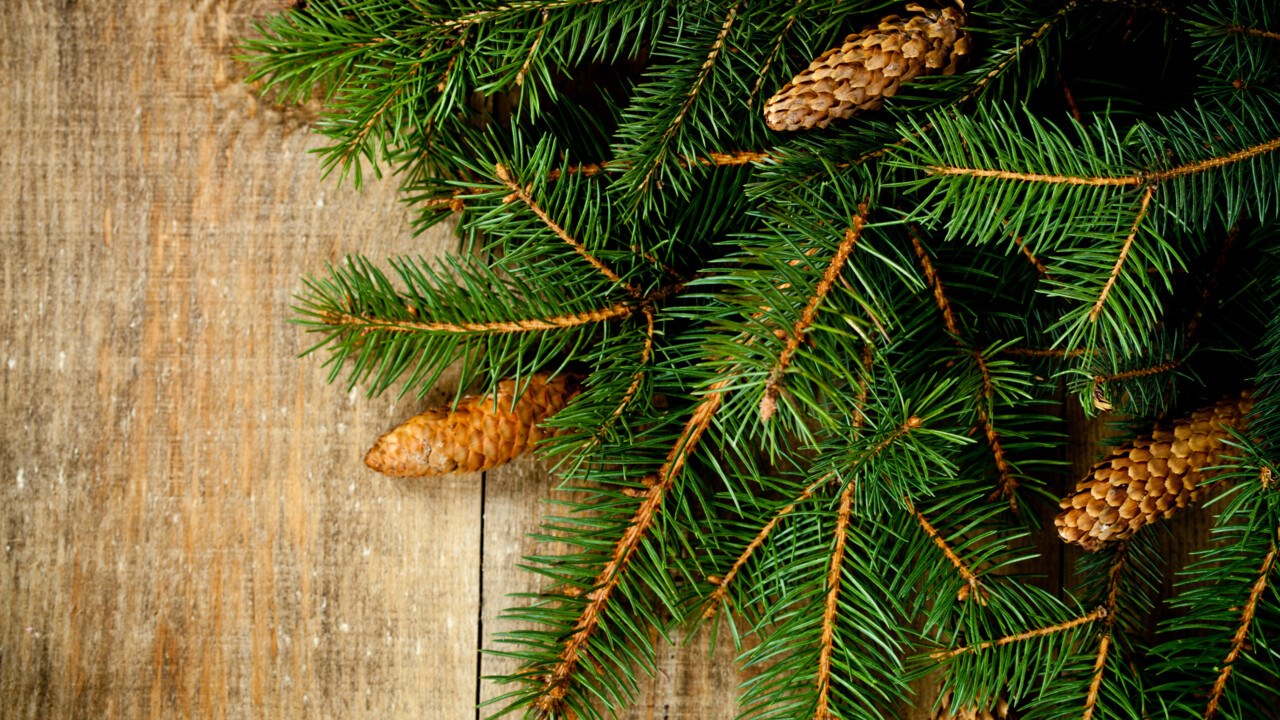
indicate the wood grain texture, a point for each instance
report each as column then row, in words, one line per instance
column 188, row 530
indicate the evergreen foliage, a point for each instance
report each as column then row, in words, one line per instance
column 822, row 372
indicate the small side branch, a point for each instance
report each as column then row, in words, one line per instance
column 1094, row 616
column 973, row 587
column 777, row 47
column 1124, row 254
column 1104, row 646
column 366, row 323
column 481, row 16
column 456, row 202
column 769, row 403
column 703, row 73
column 1242, row 633
column 1031, row 40
column 1100, row 381
column 1252, row 32
column 362, row 323
column 1008, row 483
column 718, row 595
column 831, row 608
column 523, row 195
column 1113, row 181
column 1120, row 181
column 533, row 50
column 833, row 603
column 557, row 682
column 1046, row 352
column 1099, row 666
column 1040, row 267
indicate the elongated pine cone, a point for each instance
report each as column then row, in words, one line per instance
column 480, row 435
column 869, row 67
column 947, row 710
column 1150, row 477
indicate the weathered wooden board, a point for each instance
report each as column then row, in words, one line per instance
column 187, row 528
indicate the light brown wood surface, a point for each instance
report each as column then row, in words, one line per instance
column 188, row 529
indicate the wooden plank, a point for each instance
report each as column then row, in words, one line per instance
column 187, row 528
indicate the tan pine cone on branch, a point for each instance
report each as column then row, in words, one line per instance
column 480, row 434
column 868, row 67
column 1150, row 477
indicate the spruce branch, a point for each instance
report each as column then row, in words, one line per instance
column 1143, row 206
column 556, row 685
column 718, row 596
column 769, row 403
column 1008, row 481
column 521, row 193
column 1098, row 613
column 832, row 605
column 1104, row 643
column 717, row 46
column 1242, row 633
column 973, row 586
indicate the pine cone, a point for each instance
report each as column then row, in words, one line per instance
column 1149, row 478
column 945, row 711
column 869, row 67
column 480, row 435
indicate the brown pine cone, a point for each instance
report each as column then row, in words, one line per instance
column 869, row 67
column 946, row 711
column 1149, row 478
column 480, row 434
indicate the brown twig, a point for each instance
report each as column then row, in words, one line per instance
column 718, row 595
column 520, row 192
column 480, row 16
column 1114, row 181
column 1104, row 645
column 1040, row 267
column 1016, row 53
column 533, row 49
column 732, row 158
column 1070, row 98
column 769, row 403
column 366, row 323
column 1163, row 367
column 703, row 73
column 831, row 607
column 973, row 587
column 1099, row 395
column 1252, row 32
column 1008, row 483
column 1047, row 352
column 558, row 680
column 832, row 603
column 1242, row 633
column 1124, row 254
column 1097, row 614
column 614, row 312
column 777, row 47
